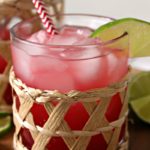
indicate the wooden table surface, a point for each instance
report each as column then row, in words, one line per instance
column 139, row 136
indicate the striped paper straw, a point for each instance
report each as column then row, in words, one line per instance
column 45, row 17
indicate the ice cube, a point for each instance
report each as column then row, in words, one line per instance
column 48, row 64
column 84, row 48
column 117, row 65
column 69, row 30
column 90, row 66
column 64, row 39
column 21, row 63
column 77, row 53
column 69, row 35
column 89, row 73
column 112, row 71
column 90, row 48
column 53, row 74
column 39, row 37
column 30, row 49
column 87, row 70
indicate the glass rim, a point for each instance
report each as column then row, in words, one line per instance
column 25, row 41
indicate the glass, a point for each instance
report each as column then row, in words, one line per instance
column 69, row 67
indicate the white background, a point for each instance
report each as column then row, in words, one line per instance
column 113, row 8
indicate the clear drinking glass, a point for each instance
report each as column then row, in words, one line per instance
column 79, row 67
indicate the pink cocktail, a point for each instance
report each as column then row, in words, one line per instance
column 68, row 61
column 4, row 40
column 4, row 36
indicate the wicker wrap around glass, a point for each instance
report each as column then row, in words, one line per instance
column 60, row 100
column 10, row 9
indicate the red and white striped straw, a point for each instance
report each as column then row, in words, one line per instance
column 44, row 15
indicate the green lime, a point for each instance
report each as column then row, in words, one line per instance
column 5, row 110
column 3, row 114
column 138, row 30
column 5, row 125
column 139, row 95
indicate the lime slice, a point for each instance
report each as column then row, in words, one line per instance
column 139, row 95
column 5, row 110
column 5, row 125
column 3, row 114
column 138, row 30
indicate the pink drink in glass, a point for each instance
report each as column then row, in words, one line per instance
column 4, row 38
column 68, row 61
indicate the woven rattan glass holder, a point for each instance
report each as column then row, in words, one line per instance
column 57, row 126
column 23, row 9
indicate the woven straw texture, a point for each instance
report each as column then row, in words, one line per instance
column 23, row 9
column 57, row 126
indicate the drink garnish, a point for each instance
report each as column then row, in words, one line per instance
column 5, row 125
column 138, row 30
column 139, row 95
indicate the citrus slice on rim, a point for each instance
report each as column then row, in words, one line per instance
column 139, row 95
column 5, row 125
column 138, row 30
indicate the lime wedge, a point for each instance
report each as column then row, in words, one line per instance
column 3, row 114
column 5, row 110
column 138, row 30
column 139, row 95
column 5, row 125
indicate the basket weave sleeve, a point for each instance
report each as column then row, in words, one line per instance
column 57, row 126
